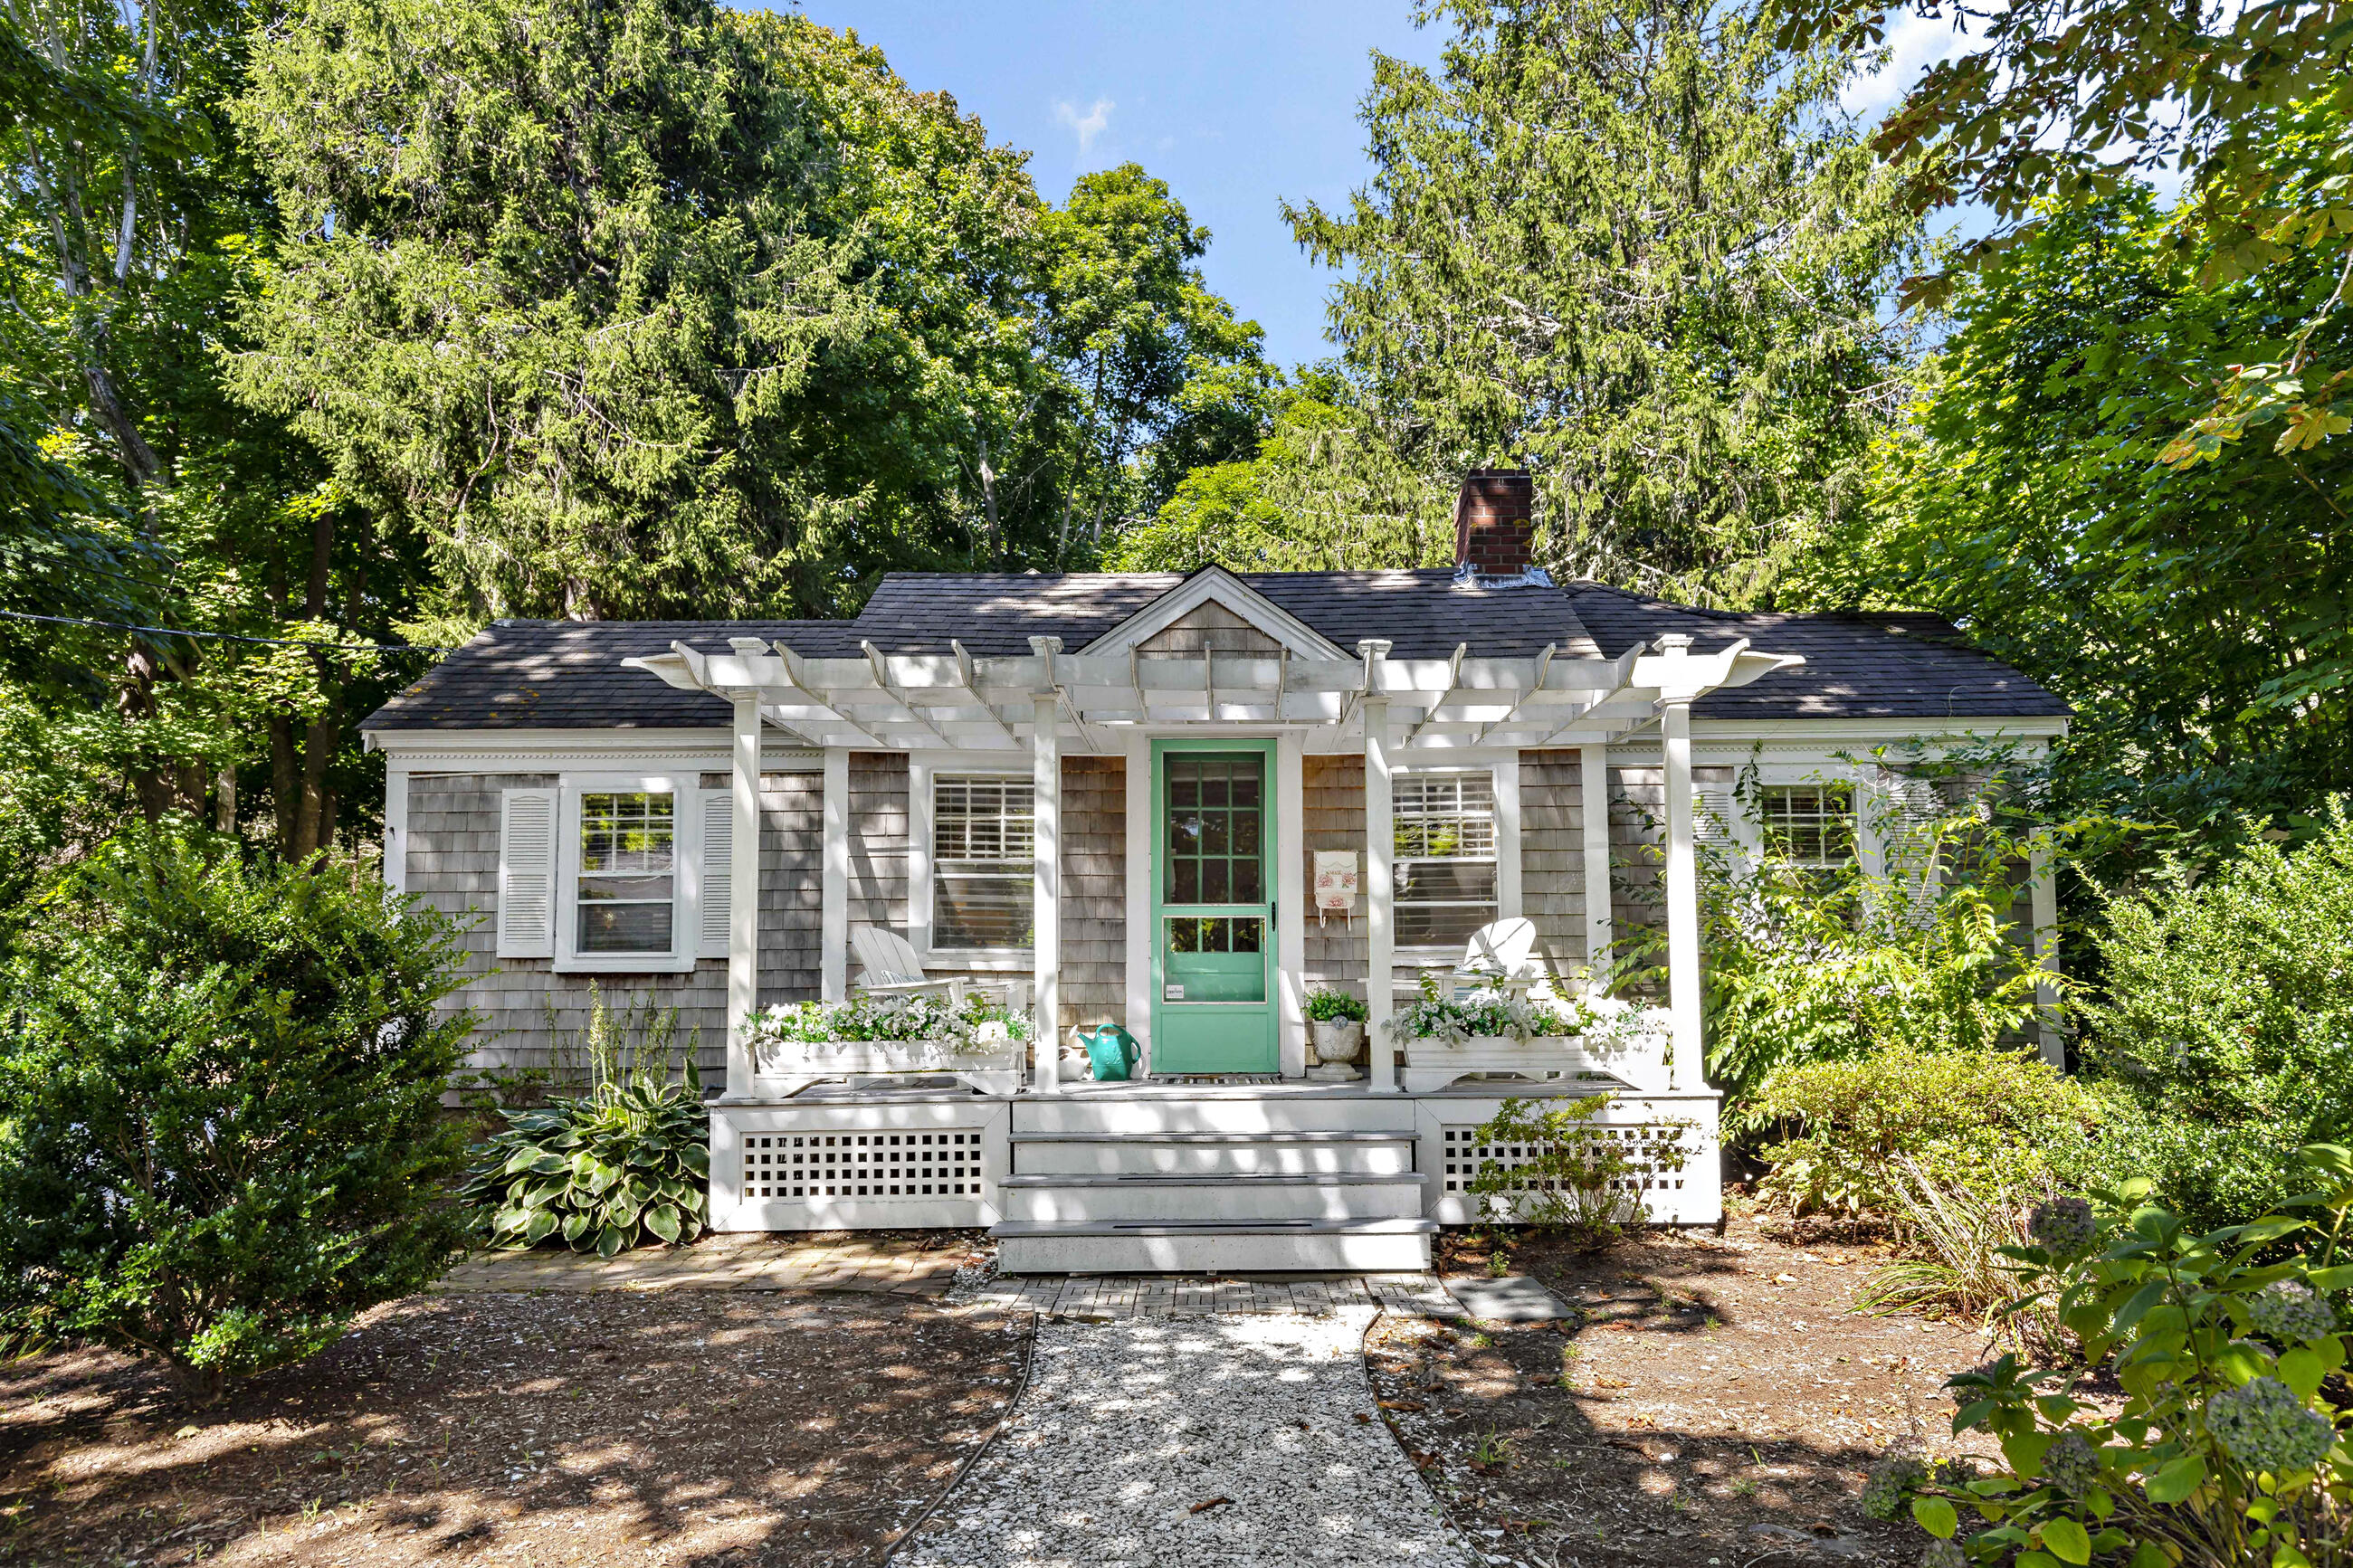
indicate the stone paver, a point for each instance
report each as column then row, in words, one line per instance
column 1112, row 1297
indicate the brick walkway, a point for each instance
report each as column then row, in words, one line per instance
column 927, row 1266
column 1113, row 1296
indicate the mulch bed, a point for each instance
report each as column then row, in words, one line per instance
column 678, row 1427
column 1712, row 1402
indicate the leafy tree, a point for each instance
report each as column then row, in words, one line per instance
column 665, row 308
column 131, row 213
column 223, row 1077
column 1327, row 489
column 2073, row 99
column 1638, row 245
column 2192, row 616
column 1156, row 366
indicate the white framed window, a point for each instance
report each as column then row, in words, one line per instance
column 983, row 851
column 1811, row 824
column 604, row 872
column 1447, row 866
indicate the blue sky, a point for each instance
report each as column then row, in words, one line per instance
column 1238, row 106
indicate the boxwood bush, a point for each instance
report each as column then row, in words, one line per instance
column 220, row 1128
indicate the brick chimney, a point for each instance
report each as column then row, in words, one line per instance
column 1495, row 521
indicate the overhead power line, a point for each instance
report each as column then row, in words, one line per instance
column 225, row 637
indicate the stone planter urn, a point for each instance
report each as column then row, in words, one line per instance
column 1337, row 1041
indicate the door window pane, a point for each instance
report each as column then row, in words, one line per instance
column 1216, row 828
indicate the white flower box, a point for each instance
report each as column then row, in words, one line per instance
column 1632, row 1052
column 781, row 1068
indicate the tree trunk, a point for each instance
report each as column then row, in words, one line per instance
column 224, row 798
column 285, row 782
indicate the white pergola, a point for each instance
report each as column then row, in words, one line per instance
column 1094, row 700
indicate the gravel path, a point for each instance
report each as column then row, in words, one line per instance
column 1128, row 1427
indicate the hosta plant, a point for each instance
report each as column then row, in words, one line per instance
column 2229, row 1350
column 627, row 1163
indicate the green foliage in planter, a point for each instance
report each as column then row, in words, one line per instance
column 1863, row 1129
column 626, row 1163
column 1570, row 1173
column 2227, row 1447
column 1437, row 1014
column 223, row 1136
column 1335, row 1007
column 889, row 1019
column 2226, row 1021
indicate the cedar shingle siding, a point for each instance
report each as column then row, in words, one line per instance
column 532, row 1017
column 1551, row 857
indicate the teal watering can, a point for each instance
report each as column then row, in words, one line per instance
column 1112, row 1053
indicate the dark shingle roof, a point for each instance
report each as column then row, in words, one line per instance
column 567, row 675
column 1422, row 613
column 1858, row 666
column 564, row 675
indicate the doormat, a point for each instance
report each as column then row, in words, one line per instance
column 1217, row 1078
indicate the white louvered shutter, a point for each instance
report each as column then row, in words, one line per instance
column 718, row 869
column 527, row 873
column 1909, row 810
column 1716, row 823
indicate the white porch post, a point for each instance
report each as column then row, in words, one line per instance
column 2044, row 895
column 1380, row 883
column 1593, row 778
column 1291, row 904
column 1046, row 884
column 1141, row 826
column 1682, row 878
column 743, row 900
column 833, row 899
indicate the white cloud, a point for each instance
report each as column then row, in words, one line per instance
column 1913, row 44
column 1087, row 126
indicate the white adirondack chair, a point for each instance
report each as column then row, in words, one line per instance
column 889, row 965
column 1501, row 953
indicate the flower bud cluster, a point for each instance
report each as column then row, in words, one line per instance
column 2265, row 1426
column 1891, row 1479
column 2064, row 1227
column 2072, row 1464
column 2291, row 1313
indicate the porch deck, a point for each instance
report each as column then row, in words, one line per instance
column 1171, row 1175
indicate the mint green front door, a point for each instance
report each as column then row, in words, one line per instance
column 1213, row 907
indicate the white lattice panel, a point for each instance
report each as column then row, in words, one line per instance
column 943, row 1163
column 1460, row 1157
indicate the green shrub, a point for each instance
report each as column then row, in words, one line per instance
column 1989, row 1122
column 1335, row 1007
column 2227, row 1021
column 1569, row 1172
column 629, row 1162
column 2226, row 1447
column 222, row 1135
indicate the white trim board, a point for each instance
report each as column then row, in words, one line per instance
column 558, row 751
